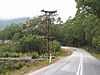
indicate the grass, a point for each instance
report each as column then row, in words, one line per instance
column 97, row 56
column 66, row 52
column 32, row 67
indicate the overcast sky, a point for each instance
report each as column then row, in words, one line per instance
column 10, row 9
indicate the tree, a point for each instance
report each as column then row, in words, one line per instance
column 91, row 6
column 31, row 43
column 17, row 36
column 9, row 31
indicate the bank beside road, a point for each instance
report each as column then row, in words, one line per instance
column 93, row 52
column 23, row 65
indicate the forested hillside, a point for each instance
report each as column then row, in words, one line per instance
column 4, row 23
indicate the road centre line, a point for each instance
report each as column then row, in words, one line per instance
column 80, row 67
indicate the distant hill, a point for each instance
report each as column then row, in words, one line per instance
column 4, row 23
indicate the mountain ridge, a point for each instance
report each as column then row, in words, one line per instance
column 4, row 23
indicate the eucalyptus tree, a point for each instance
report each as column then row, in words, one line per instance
column 91, row 6
column 10, row 30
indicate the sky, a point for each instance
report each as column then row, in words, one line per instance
column 10, row 9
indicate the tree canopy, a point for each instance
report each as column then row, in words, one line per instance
column 91, row 6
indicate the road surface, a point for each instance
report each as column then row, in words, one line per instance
column 79, row 63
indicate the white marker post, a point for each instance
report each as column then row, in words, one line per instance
column 50, row 58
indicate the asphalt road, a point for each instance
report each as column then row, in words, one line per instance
column 79, row 63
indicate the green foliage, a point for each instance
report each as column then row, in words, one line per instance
column 97, row 56
column 34, row 55
column 91, row 6
column 31, row 43
column 55, row 45
column 6, row 48
column 7, row 66
column 57, row 32
column 90, row 22
column 9, row 31
column 17, row 36
column 9, row 54
column 78, row 31
column 96, row 42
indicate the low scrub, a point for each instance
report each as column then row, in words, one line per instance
column 9, row 54
column 7, row 67
column 34, row 55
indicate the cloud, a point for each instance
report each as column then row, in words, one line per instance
column 30, row 8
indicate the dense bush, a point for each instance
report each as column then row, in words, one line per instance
column 96, row 42
column 55, row 47
column 7, row 48
column 34, row 55
column 30, row 43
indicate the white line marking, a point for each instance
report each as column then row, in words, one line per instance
column 78, row 71
column 81, row 71
column 80, row 67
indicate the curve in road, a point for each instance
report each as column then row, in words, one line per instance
column 79, row 63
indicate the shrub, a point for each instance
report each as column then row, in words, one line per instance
column 34, row 55
column 18, row 65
